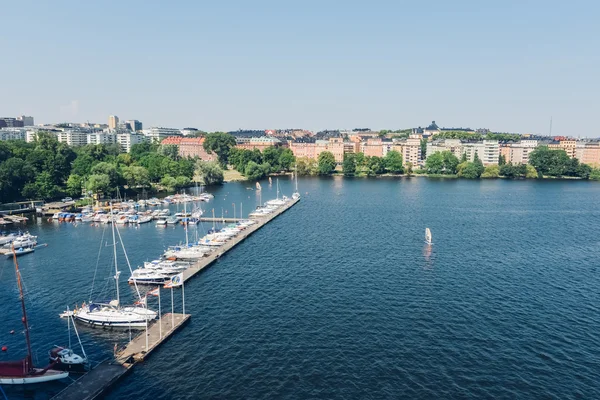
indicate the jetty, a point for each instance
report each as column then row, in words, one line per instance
column 220, row 251
column 96, row 382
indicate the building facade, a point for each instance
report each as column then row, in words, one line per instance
column 73, row 138
column 101, row 138
column 113, row 122
column 134, row 125
column 259, row 143
column 27, row 121
column 8, row 122
column 13, row 134
column 157, row 134
column 488, row 151
column 194, row 147
column 126, row 140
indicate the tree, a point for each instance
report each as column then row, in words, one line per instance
column 469, row 170
column 349, row 164
column 256, row 171
column 463, row 158
column 210, row 172
column 74, row 185
column 14, row 174
column 182, row 181
column 423, row 148
column 549, row 162
column 99, row 183
column 479, row 168
column 450, row 162
column 286, row 159
column 530, row 172
column 491, row 171
column 271, row 155
column 169, row 150
column 501, row 160
column 393, row 162
column 104, row 168
column 376, row 165
column 221, row 144
column 136, row 176
column 168, row 182
column 43, row 188
column 326, row 163
column 435, row 163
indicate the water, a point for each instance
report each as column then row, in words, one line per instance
column 340, row 298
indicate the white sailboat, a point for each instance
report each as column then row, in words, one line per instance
column 64, row 358
column 258, row 186
column 428, row 236
column 296, row 194
column 110, row 313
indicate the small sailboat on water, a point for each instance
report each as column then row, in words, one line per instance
column 428, row 236
column 64, row 359
column 270, row 181
column 258, row 186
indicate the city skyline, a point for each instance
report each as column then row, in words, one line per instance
column 508, row 67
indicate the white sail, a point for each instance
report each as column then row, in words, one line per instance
column 258, row 186
column 427, row 236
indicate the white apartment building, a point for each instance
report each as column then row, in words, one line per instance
column 73, row 138
column 488, row 151
column 12, row 134
column 157, row 134
column 518, row 153
column 126, row 140
column 101, row 138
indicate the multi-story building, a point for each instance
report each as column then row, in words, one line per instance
column 372, row 147
column 488, row 151
column 518, row 153
column 157, row 134
column 12, row 134
column 189, row 131
column 126, row 140
column 73, row 138
column 194, row 147
column 113, row 122
column 589, row 153
column 101, row 138
column 259, row 143
column 27, row 121
column 133, row 125
column 8, row 122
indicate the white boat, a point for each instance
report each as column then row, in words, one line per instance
column 258, row 186
column 296, row 194
column 146, row 276
column 110, row 313
column 64, row 359
column 21, row 251
column 161, row 222
column 7, row 239
column 144, row 219
column 428, row 236
column 23, row 372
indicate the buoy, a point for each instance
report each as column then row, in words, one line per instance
column 4, row 348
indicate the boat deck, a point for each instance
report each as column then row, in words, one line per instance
column 219, row 251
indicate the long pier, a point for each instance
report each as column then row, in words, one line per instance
column 96, row 382
column 219, row 251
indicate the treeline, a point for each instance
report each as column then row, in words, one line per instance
column 463, row 135
column 254, row 164
column 543, row 162
column 47, row 169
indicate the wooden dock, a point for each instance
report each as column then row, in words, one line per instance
column 210, row 219
column 219, row 251
column 97, row 381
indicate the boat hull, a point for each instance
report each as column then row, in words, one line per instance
column 48, row 376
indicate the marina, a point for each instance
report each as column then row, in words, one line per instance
column 101, row 378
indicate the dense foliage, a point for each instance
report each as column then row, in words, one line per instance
column 254, row 164
column 48, row 169
column 444, row 163
column 221, row 144
column 557, row 163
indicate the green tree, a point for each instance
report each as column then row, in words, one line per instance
column 435, row 163
column 271, row 155
column 286, row 159
column 450, row 162
column 349, row 164
column 423, row 149
column 168, row 182
column 210, row 172
column 169, row 150
column 501, row 160
column 136, row 176
column 42, row 188
column 491, row 171
column 14, row 174
column 463, row 158
column 104, row 168
column 255, row 171
column 530, row 172
column 549, row 162
column 376, row 165
column 219, row 143
column 469, row 170
column 326, row 163
column 182, row 181
column 99, row 183
column 393, row 162
column 74, row 185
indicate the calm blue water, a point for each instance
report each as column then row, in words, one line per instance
column 340, row 298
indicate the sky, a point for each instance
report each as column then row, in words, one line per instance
column 509, row 66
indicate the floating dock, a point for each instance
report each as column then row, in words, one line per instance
column 96, row 382
column 219, row 251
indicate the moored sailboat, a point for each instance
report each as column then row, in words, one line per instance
column 23, row 372
column 428, row 236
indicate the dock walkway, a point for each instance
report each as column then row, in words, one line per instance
column 93, row 384
column 219, row 251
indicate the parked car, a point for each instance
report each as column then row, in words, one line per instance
column 67, row 200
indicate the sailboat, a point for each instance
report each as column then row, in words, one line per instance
column 64, row 358
column 258, row 186
column 110, row 313
column 428, row 236
column 277, row 201
column 296, row 194
column 23, row 372
column 270, row 181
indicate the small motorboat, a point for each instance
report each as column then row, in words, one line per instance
column 21, row 251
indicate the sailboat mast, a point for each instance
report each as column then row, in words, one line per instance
column 115, row 252
column 29, row 362
column 277, row 188
column 296, row 176
column 186, row 224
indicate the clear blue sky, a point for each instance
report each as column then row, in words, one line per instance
column 224, row 65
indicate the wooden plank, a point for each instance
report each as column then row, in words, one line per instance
column 95, row 383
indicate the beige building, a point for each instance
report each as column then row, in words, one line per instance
column 113, row 122
column 518, row 153
column 311, row 150
column 410, row 149
column 488, row 151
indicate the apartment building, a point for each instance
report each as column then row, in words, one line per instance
column 126, row 140
column 488, row 151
